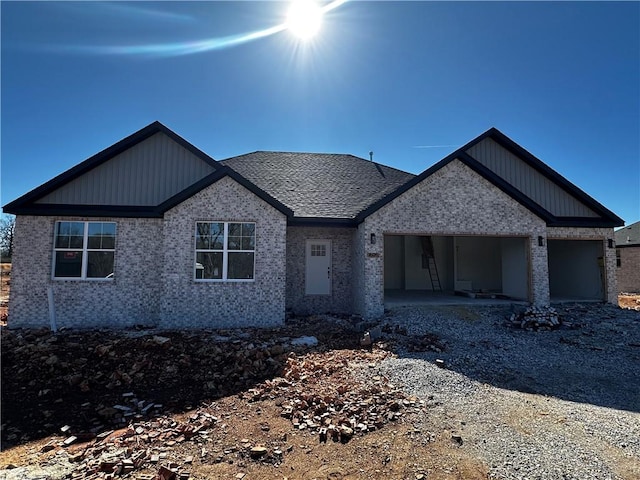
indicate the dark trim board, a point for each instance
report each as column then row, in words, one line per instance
column 57, row 210
column 322, row 222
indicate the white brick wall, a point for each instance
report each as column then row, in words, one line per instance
column 453, row 201
column 154, row 263
column 187, row 303
column 131, row 298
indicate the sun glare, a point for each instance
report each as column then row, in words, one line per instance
column 304, row 18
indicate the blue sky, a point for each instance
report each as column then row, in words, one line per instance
column 411, row 81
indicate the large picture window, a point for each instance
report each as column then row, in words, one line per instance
column 225, row 250
column 84, row 250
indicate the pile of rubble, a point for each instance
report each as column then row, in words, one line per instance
column 143, row 446
column 78, row 377
column 536, row 318
column 319, row 394
column 112, row 402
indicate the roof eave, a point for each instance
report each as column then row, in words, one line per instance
column 322, row 222
column 60, row 210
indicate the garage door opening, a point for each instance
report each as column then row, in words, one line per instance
column 576, row 270
column 455, row 269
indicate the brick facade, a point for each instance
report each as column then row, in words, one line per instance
column 629, row 269
column 154, row 264
column 154, row 261
column 187, row 303
column 341, row 298
column 452, row 201
column 132, row 297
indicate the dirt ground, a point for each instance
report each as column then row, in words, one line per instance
column 629, row 300
column 217, row 404
column 214, row 405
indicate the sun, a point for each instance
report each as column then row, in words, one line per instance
column 304, row 18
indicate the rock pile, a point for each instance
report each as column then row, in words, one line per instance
column 78, row 377
column 318, row 394
column 536, row 318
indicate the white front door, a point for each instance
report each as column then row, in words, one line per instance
column 318, row 267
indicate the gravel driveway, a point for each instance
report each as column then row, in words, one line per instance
column 560, row 404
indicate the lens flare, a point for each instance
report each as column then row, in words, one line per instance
column 209, row 44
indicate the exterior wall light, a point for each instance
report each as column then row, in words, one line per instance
column 541, row 241
column 610, row 243
column 373, row 239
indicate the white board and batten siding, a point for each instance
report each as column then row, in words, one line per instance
column 146, row 174
column 528, row 180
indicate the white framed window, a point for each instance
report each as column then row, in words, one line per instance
column 84, row 250
column 225, row 251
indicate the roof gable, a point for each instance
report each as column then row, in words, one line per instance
column 143, row 175
column 146, row 174
column 519, row 174
column 531, row 182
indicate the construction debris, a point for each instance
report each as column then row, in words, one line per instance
column 536, row 318
column 112, row 398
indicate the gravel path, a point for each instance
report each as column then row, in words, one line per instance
column 561, row 404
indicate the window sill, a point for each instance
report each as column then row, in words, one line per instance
column 75, row 279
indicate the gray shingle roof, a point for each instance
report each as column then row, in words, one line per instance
column 319, row 184
column 629, row 235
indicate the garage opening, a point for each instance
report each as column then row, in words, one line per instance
column 454, row 269
column 576, row 270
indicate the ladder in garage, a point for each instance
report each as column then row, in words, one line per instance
column 429, row 263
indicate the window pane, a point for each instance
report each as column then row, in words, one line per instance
column 248, row 229
column 69, row 235
column 202, row 242
column 62, row 228
column 234, row 243
column 240, row 265
column 216, row 229
column 209, row 265
column 108, row 229
column 68, row 264
column 100, row 265
column 248, row 243
column 217, row 241
column 102, row 235
column 76, row 228
column 62, row 241
column 95, row 228
column 76, row 241
column 202, row 235
column 94, row 241
column 209, row 236
column 235, row 229
column 108, row 241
